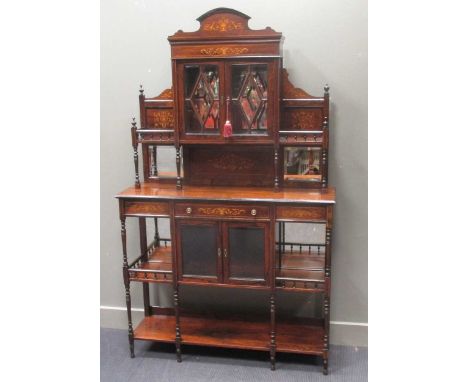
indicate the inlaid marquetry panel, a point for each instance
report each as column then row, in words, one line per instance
column 302, row 119
column 223, row 211
column 302, row 213
column 228, row 165
column 147, row 208
column 225, row 50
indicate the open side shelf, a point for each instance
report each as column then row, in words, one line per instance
column 158, row 267
column 236, row 333
column 301, row 271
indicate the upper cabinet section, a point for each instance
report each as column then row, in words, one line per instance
column 225, row 32
column 226, row 79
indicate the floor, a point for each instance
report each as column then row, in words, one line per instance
column 157, row 362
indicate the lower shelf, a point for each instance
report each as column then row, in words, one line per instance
column 291, row 337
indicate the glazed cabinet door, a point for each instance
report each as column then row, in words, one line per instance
column 199, row 250
column 200, row 88
column 245, row 253
column 251, row 88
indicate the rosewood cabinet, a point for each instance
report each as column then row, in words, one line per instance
column 251, row 163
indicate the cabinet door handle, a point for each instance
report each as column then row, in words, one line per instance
column 253, row 212
column 225, row 253
column 188, row 210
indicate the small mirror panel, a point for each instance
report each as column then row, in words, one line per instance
column 302, row 164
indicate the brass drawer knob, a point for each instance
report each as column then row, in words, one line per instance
column 253, row 212
column 188, row 210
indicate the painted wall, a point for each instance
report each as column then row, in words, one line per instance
column 325, row 42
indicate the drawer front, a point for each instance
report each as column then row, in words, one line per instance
column 302, row 213
column 222, row 210
column 147, row 208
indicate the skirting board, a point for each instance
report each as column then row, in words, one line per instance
column 341, row 332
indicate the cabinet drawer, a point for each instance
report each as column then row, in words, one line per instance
column 220, row 210
column 147, row 208
column 301, row 213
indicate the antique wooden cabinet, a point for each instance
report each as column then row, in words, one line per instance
column 251, row 163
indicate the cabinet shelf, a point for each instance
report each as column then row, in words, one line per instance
column 158, row 268
column 292, row 336
column 301, row 271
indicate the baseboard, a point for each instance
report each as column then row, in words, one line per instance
column 341, row 332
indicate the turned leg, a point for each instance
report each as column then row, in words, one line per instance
column 178, row 338
column 127, row 288
column 326, row 300
column 273, row 332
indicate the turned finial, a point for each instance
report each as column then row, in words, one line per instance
column 141, row 89
column 326, row 88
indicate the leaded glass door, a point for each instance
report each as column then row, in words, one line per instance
column 249, row 99
column 202, row 87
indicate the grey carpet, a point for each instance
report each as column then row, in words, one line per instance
column 157, row 362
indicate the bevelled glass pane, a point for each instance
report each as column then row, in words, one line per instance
column 249, row 98
column 199, row 250
column 246, row 252
column 201, row 84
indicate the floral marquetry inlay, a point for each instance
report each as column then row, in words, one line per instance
column 163, row 119
column 304, row 119
column 167, row 93
column 223, row 24
column 223, row 51
column 223, row 211
column 232, row 162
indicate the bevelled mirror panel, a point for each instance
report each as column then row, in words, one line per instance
column 162, row 162
column 302, row 164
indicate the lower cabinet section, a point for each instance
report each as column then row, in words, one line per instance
column 223, row 252
column 232, row 252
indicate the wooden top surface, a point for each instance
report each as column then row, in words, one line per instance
column 158, row 191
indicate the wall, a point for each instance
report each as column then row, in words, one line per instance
column 325, row 42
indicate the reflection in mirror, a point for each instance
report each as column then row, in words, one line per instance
column 302, row 164
column 162, row 161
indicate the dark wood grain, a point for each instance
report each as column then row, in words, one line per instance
column 245, row 333
column 150, row 191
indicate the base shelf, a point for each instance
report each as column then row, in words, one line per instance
column 291, row 336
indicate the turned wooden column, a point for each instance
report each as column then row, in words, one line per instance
column 144, row 254
column 273, row 331
column 178, row 338
column 326, row 300
column 126, row 278
column 135, row 154
column 179, row 179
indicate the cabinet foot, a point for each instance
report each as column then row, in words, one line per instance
column 132, row 347
column 178, row 353
column 325, row 367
